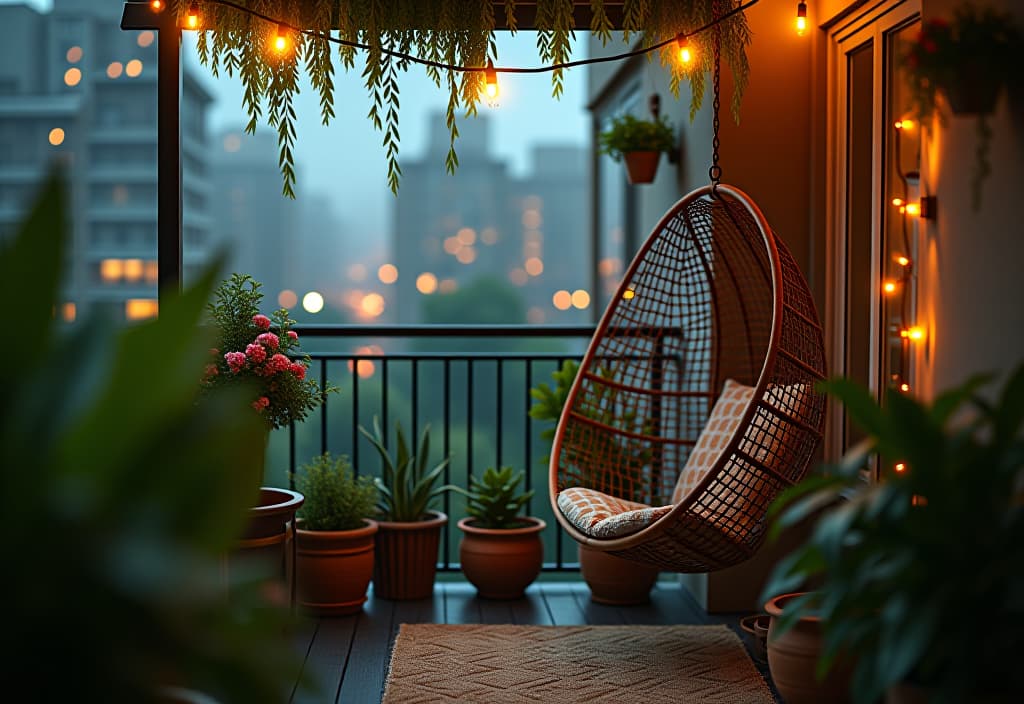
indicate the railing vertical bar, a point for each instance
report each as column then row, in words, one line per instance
column 528, row 440
column 323, row 406
column 383, row 399
column 469, row 419
column 291, row 456
column 355, row 420
column 447, row 449
column 415, row 399
column 500, row 401
column 559, row 557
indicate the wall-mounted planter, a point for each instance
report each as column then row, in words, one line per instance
column 641, row 167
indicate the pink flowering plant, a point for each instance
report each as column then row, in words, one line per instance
column 262, row 351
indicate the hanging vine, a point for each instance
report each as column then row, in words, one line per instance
column 457, row 34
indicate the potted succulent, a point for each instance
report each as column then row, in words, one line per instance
column 969, row 60
column 409, row 530
column 501, row 552
column 334, row 561
column 639, row 143
column 918, row 577
column 611, row 579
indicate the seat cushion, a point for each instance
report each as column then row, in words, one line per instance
column 722, row 423
column 602, row 516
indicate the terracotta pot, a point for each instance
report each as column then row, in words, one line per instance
column 975, row 93
column 267, row 546
column 756, row 627
column 406, row 557
column 614, row 580
column 793, row 659
column 501, row 562
column 333, row 568
column 641, row 167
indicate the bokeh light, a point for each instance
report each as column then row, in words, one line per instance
column 313, row 302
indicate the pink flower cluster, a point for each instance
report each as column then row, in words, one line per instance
column 261, row 403
column 260, row 356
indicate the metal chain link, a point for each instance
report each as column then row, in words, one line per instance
column 715, row 172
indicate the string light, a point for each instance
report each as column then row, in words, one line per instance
column 192, row 18
column 491, row 82
column 889, row 286
column 801, row 18
column 157, row 5
column 904, row 124
column 281, row 40
column 904, row 387
column 915, row 333
column 900, row 467
column 683, row 43
column 902, row 260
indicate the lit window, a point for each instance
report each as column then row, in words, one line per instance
column 56, row 136
column 580, row 298
column 133, row 270
column 562, row 300
column 466, row 235
column 372, row 304
column 141, row 308
column 426, row 283
column 145, row 38
column 115, row 69
column 74, row 54
column 534, row 266
column 73, row 76
column 152, row 271
column 111, row 270
column 69, row 311
column 387, row 273
column 133, row 68
column 452, row 244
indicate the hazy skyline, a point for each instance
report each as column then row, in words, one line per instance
column 346, row 160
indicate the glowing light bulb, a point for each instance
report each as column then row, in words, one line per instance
column 281, row 39
column 491, row 83
column 904, row 124
column 897, row 201
column 900, row 467
column 904, row 387
column 902, row 261
column 913, row 209
column 801, row 18
column 628, row 294
column 913, row 333
column 889, row 287
column 683, row 42
column 157, row 5
column 192, row 18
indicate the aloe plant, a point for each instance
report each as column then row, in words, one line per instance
column 407, row 487
column 493, row 500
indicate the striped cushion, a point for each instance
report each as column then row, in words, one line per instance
column 602, row 516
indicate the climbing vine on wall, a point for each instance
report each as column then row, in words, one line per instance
column 237, row 37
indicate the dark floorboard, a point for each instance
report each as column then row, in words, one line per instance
column 345, row 659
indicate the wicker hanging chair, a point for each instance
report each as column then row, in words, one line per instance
column 714, row 320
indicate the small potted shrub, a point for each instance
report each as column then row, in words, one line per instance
column 409, row 529
column 917, row 577
column 639, row 143
column 334, row 561
column 501, row 552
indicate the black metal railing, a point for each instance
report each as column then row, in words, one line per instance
column 469, row 384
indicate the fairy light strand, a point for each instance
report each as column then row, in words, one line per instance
column 317, row 34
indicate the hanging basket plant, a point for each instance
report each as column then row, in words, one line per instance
column 267, row 43
column 968, row 61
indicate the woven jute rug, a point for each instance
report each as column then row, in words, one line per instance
column 489, row 664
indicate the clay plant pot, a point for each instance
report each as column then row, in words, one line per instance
column 641, row 167
column 405, row 562
column 975, row 92
column 501, row 562
column 793, row 659
column 267, row 546
column 756, row 628
column 614, row 580
column 334, row 568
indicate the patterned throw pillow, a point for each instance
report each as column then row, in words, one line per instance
column 722, row 423
column 602, row 516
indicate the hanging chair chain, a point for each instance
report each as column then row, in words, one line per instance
column 715, row 172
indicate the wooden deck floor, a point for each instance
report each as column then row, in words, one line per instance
column 347, row 657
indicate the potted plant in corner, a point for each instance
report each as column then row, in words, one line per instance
column 334, row 561
column 501, row 552
column 639, row 143
column 261, row 355
column 969, row 60
column 611, row 579
column 409, row 530
column 918, row 577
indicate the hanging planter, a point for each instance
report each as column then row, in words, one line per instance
column 639, row 143
column 973, row 93
column 641, row 167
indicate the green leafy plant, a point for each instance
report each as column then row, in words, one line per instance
column 262, row 353
column 121, row 495
column 407, row 486
column 919, row 577
column 493, row 501
column 631, row 134
column 632, row 455
column 458, row 33
column 335, row 498
column 973, row 56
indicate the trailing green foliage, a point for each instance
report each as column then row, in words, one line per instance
column 407, row 487
column 335, row 498
column 631, row 134
column 493, row 501
column 632, row 458
column 459, row 33
column 922, row 574
column 120, row 495
column 261, row 352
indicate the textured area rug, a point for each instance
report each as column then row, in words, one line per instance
column 489, row 664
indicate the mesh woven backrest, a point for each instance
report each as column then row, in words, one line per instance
column 696, row 307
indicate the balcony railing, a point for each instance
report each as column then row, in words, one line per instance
column 469, row 384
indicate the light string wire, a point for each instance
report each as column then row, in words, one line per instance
column 479, row 69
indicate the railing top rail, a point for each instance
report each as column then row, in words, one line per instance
column 310, row 330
